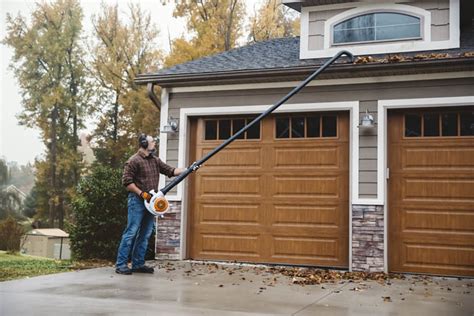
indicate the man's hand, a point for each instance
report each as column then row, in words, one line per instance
column 178, row 171
column 146, row 196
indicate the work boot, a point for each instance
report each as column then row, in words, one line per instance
column 125, row 271
column 143, row 269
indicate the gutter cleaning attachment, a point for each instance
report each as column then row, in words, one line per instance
column 158, row 204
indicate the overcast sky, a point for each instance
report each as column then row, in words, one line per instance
column 21, row 144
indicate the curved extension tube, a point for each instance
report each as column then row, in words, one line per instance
column 159, row 205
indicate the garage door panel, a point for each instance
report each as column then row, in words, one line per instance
column 219, row 213
column 221, row 185
column 299, row 158
column 229, row 245
column 440, row 221
column 433, row 189
column 446, row 158
column 439, row 255
column 315, row 216
column 306, row 186
column 240, row 157
column 305, row 248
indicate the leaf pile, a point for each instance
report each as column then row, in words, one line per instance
column 317, row 276
column 397, row 58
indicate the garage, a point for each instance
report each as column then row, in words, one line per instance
column 280, row 194
column 431, row 191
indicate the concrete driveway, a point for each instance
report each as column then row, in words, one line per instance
column 186, row 288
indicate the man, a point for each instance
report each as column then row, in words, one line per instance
column 140, row 175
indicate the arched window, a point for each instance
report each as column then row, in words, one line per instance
column 378, row 26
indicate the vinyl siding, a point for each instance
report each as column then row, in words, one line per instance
column 368, row 154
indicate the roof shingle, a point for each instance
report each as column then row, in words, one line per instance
column 277, row 54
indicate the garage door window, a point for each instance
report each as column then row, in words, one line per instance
column 439, row 124
column 306, row 126
column 222, row 129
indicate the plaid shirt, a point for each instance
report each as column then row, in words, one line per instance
column 144, row 170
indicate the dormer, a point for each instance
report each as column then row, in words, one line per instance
column 376, row 27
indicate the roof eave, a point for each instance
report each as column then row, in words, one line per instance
column 341, row 70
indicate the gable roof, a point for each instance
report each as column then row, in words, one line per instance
column 281, row 55
column 14, row 188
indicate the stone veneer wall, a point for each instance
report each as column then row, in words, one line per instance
column 168, row 233
column 367, row 238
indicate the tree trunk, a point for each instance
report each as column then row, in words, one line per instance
column 53, row 153
column 75, row 171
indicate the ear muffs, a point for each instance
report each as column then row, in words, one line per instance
column 142, row 141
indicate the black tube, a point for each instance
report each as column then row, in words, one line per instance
column 197, row 164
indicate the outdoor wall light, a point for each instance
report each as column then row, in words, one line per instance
column 367, row 121
column 171, row 126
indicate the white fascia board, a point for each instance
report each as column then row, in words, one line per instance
column 325, row 82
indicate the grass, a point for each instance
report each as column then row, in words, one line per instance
column 17, row 266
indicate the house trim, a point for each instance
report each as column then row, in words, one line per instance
column 324, row 82
column 351, row 106
column 380, row 48
column 382, row 108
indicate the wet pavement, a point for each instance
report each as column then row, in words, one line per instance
column 192, row 288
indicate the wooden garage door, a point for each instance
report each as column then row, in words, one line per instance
column 431, row 191
column 280, row 195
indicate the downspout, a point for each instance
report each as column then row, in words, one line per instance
column 152, row 95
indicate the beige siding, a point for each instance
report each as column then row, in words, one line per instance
column 316, row 27
column 316, row 42
column 439, row 18
column 368, row 154
column 172, row 153
column 367, row 94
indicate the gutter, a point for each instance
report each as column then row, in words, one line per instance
column 342, row 70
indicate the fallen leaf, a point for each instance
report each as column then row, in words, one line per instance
column 357, row 289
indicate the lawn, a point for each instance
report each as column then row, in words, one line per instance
column 17, row 266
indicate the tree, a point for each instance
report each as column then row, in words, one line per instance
column 30, row 204
column 4, row 173
column 47, row 64
column 216, row 26
column 10, row 234
column 9, row 201
column 273, row 20
column 100, row 211
column 120, row 52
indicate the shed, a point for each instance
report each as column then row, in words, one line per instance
column 48, row 242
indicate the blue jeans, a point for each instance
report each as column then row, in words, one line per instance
column 139, row 228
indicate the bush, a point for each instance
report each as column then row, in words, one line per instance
column 10, row 234
column 99, row 214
